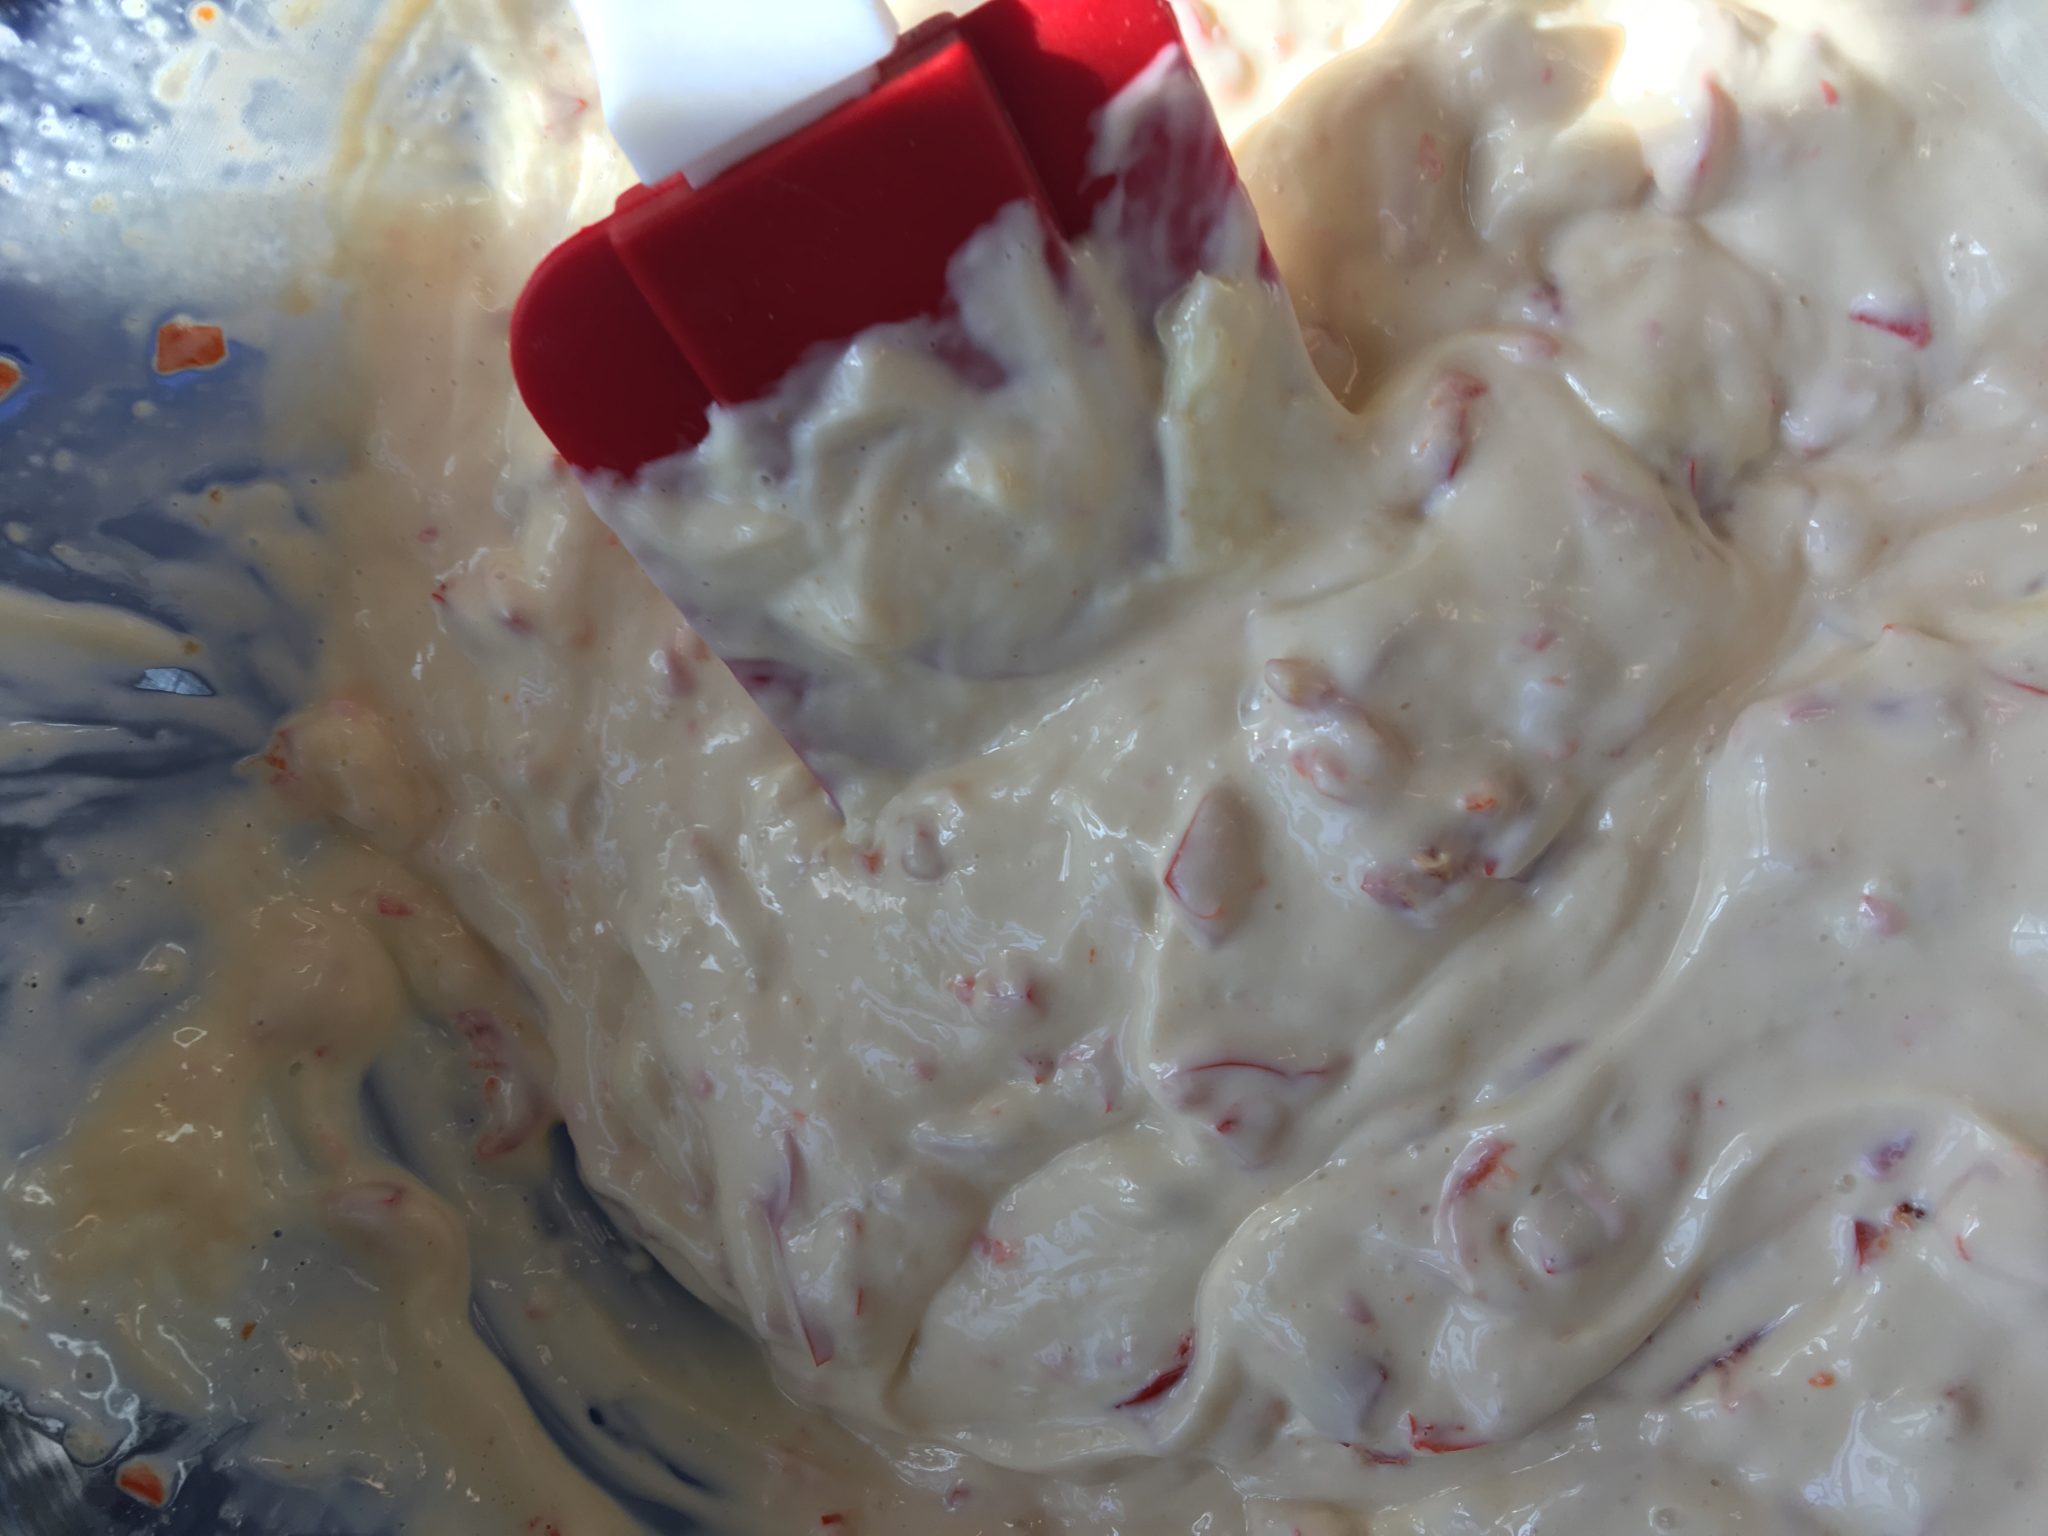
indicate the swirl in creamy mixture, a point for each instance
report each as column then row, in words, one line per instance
column 1485, row 947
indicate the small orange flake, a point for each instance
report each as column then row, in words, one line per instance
column 181, row 347
column 10, row 376
column 206, row 15
column 139, row 1480
column 1821, row 1379
column 248, row 1331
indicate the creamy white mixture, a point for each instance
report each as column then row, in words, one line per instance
column 1430, row 915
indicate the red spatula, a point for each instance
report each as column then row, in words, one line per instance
column 709, row 285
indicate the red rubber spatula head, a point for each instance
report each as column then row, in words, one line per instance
column 689, row 296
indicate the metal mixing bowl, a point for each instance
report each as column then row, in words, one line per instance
column 147, row 174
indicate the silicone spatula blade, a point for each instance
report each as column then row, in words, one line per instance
column 707, row 286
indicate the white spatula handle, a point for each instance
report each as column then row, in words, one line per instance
column 698, row 85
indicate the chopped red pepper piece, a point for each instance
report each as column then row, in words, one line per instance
column 1440, row 1439
column 181, row 346
column 1916, row 330
column 141, row 1481
column 1167, row 1379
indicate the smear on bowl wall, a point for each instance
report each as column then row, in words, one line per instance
column 1408, row 899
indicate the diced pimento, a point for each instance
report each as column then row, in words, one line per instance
column 370, row 1205
column 1302, row 683
column 1696, row 159
column 515, row 1105
column 1433, row 876
column 1441, row 1439
column 1910, row 326
column 1167, row 1379
column 1269, row 1068
column 141, row 1481
column 1717, row 145
column 1429, row 158
column 1482, row 1160
column 918, row 854
column 1323, row 769
column 995, row 1250
column 1348, row 754
column 182, row 346
column 1883, row 1160
column 1725, row 1361
column 774, row 685
column 1007, row 990
column 1371, row 1457
column 678, row 670
column 1214, row 868
column 1445, row 441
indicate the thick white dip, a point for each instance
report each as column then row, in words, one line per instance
column 1434, row 911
